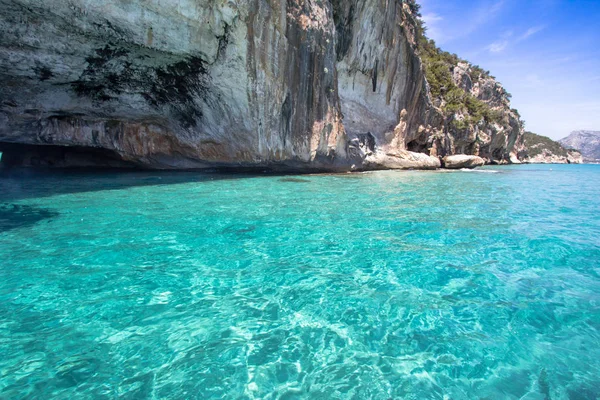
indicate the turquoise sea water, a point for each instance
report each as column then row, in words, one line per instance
column 385, row 285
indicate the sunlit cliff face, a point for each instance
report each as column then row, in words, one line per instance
column 282, row 84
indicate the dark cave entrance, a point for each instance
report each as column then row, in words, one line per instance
column 52, row 156
column 417, row 147
column 498, row 155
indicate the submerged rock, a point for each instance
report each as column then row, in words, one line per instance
column 463, row 161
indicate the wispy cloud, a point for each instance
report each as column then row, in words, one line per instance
column 498, row 47
column 506, row 41
column 501, row 44
column 483, row 15
column 432, row 18
column 432, row 21
column 440, row 29
column 531, row 31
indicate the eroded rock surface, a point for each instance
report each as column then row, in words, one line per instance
column 294, row 84
column 460, row 161
column 192, row 84
column 477, row 115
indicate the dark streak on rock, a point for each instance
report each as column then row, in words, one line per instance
column 224, row 41
column 105, row 76
column 367, row 140
column 179, row 85
column 343, row 28
column 111, row 71
column 375, row 75
column 286, row 118
column 43, row 72
column 105, row 55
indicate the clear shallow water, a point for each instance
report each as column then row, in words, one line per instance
column 404, row 285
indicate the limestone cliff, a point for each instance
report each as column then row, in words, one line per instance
column 477, row 118
column 302, row 84
column 191, row 83
column 537, row 149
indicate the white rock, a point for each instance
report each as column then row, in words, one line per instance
column 463, row 161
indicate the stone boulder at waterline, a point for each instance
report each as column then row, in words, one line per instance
column 462, row 161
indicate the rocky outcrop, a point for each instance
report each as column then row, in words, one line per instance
column 547, row 157
column 289, row 84
column 537, row 149
column 460, row 161
column 477, row 118
column 586, row 142
column 401, row 160
column 491, row 133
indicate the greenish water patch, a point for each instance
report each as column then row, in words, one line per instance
column 404, row 285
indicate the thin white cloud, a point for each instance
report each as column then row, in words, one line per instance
column 508, row 34
column 498, row 47
column 497, row 6
column 440, row 30
column 483, row 15
column 531, row 31
column 501, row 45
column 432, row 18
column 432, row 21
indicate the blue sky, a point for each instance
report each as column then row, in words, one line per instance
column 545, row 52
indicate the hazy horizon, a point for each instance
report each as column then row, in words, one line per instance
column 544, row 52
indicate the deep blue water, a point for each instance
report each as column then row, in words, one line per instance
column 403, row 285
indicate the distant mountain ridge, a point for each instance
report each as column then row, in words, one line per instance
column 587, row 142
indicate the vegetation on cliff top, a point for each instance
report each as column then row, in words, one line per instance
column 439, row 66
column 538, row 144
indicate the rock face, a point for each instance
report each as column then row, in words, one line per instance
column 296, row 84
column 587, row 142
column 475, row 109
column 196, row 84
column 495, row 134
column 460, row 161
column 537, row 149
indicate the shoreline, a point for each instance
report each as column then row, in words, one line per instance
column 240, row 171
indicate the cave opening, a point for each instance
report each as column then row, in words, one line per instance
column 498, row 154
column 53, row 156
column 416, row 147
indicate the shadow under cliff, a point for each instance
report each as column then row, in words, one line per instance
column 25, row 183
column 45, row 180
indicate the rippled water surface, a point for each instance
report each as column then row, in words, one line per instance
column 386, row 285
